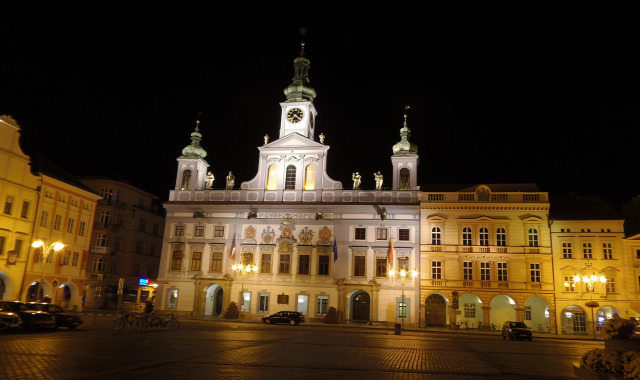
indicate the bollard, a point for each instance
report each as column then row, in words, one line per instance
column 398, row 329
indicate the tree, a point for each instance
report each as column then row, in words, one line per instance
column 232, row 311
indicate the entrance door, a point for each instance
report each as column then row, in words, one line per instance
column 218, row 302
column 361, row 307
column 436, row 310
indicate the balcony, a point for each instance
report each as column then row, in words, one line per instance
column 485, row 284
column 106, row 226
column 100, row 250
column 466, row 248
column 467, row 284
column 503, row 285
column 437, row 282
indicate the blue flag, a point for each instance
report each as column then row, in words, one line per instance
column 335, row 250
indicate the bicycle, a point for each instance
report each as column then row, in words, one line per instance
column 131, row 320
column 158, row 322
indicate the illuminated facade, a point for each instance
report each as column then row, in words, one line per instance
column 19, row 196
column 126, row 243
column 313, row 243
column 486, row 256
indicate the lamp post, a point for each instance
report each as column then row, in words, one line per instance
column 590, row 283
column 403, row 273
column 244, row 269
column 46, row 250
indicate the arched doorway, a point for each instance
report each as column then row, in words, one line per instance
column 63, row 296
column 2, row 288
column 536, row 314
column 360, row 306
column 604, row 313
column 573, row 320
column 503, row 308
column 435, row 310
column 38, row 293
column 470, row 311
column 213, row 303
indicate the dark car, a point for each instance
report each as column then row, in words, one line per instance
column 9, row 320
column 516, row 330
column 63, row 318
column 31, row 319
column 290, row 317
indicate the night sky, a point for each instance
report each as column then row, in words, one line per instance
column 544, row 97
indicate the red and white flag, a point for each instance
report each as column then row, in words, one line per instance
column 233, row 248
column 391, row 254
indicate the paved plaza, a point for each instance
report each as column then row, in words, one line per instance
column 234, row 350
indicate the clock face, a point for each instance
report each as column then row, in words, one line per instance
column 295, row 115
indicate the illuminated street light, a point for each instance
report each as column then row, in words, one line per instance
column 244, row 269
column 46, row 250
column 403, row 273
column 590, row 283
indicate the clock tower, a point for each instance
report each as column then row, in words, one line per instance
column 298, row 112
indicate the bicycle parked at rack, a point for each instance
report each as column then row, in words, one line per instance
column 130, row 320
column 163, row 321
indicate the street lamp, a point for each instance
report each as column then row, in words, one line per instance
column 590, row 283
column 403, row 273
column 244, row 269
column 46, row 250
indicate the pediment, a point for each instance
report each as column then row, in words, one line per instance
column 480, row 218
column 530, row 218
column 436, row 218
column 569, row 268
column 293, row 140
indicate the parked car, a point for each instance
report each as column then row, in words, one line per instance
column 64, row 318
column 31, row 319
column 9, row 320
column 290, row 317
column 516, row 330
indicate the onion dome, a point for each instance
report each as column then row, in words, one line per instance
column 299, row 90
column 404, row 147
column 194, row 150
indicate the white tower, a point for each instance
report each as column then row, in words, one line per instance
column 405, row 160
column 192, row 167
column 298, row 112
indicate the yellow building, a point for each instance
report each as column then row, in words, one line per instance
column 65, row 213
column 19, row 196
column 592, row 268
column 486, row 257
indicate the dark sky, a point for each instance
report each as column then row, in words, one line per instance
column 535, row 96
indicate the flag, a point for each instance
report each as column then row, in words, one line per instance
column 335, row 250
column 233, row 248
column 391, row 254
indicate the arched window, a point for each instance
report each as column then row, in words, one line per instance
column 436, row 237
column 290, row 180
column 405, row 180
column 501, row 237
column 186, row 180
column 533, row 237
column 272, row 177
column 484, row 236
column 310, row 177
column 466, row 236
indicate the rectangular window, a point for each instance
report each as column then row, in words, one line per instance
column 607, row 251
column 120, row 220
column 57, row 222
column 569, row 284
column 70, row 224
column 245, row 302
column 66, row 257
column 179, row 231
column 25, row 210
column 403, row 234
column 587, row 252
column 323, row 305
column 265, row 263
column 401, row 308
column 436, row 270
column 216, row 261
column 358, row 266
column 17, row 248
column 534, row 270
column 176, row 260
column 610, row 285
column 263, row 304
column 567, row 251
column 527, row 313
column 285, row 263
column 381, row 234
column 44, row 219
column 76, row 257
column 136, row 269
column 469, row 310
column 323, row 265
column 114, row 266
column 196, row 261
column 403, row 263
column 638, row 254
column 103, row 240
column 8, row 203
column 81, row 228
column 142, row 225
column 150, row 271
column 485, row 271
column 381, row 266
column 361, row 233
column 501, row 237
column 467, row 270
column 2, row 242
column 303, row 304
column 303, row 264
column 218, row 231
column 139, row 247
column 466, row 236
column 502, row 272
column 172, row 298
column 199, row 231
column 98, row 264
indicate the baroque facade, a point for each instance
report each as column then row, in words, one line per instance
column 310, row 244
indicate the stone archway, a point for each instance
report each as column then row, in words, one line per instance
column 360, row 306
column 536, row 314
column 503, row 308
column 573, row 320
column 436, row 310
column 214, row 301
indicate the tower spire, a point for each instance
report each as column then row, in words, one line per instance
column 404, row 147
column 194, row 150
column 299, row 90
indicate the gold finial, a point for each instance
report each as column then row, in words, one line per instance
column 406, row 107
column 198, row 121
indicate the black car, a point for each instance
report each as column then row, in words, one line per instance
column 516, row 330
column 31, row 319
column 63, row 318
column 290, row 317
column 9, row 320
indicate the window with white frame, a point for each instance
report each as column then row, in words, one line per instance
column 76, row 258
column 8, row 203
column 360, row 233
column 567, row 251
column 98, row 264
column 503, row 272
column 569, row 284
column 216, row 262
column 263, row 303
column 467, row 270
column 436, row 236
column 381, row 234
column 70, row 224
column 527, row 313
column 44, row 218
column 82, row 228
column 469, row 310
column 179, row 231
column 403, row 263
column 103, row 240
column 25, row 210
column 533, row 237
column 285, row 263
column 484, row 236
column 304, row 262
column 436, row 270
column 198, row 231
column 534, row 271
column 323, row 305
column 403, row 234
column 358, row 265
column 587, row 251
column 607, row 251
column 381, row 266
column 218, row 231
column 485, row 271
column 196, row 260
column 245, row 302
column 290, row 180
column 467, row 238
column 265, row 263
column 57, row 222
column 401, row 307
column 610, row 285
column 176, row 260
column 501, row 237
